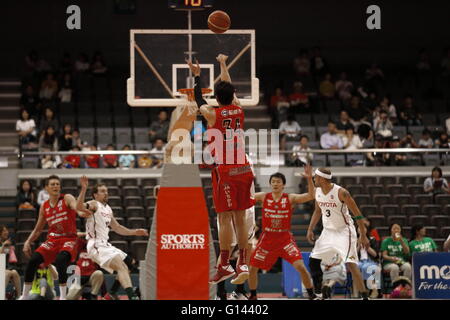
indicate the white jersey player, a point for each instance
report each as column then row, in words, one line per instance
column 333, row 206
column 100, row 220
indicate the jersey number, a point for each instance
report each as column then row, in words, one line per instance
column 226, row 124
column 328, row 214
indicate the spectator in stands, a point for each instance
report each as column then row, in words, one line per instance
column 370, row 101
column 377, row 158
column 443, row 141
column 145, row 161
column 159, row 129
column 426, row 141
column 289, row 130
column 300, row 153
column 43, row 194
column 302, row 63
column 72, row 160
column 423, row 64
column 76, row 140
column 369, row 261
column 26, row 128
column 157, row 154
column 298, row 100
column 82, row 63
column 395, row 251
column 319, row 65
column 436, row 183
column 343, row 123
column 65, row 94
column 344, row 87
column 382, row 125
column 49, row 88
column 126, row 160
column 330, row 139
column 49, row 161
column 26, row 198
column 66, row 139
column 48, row 139
column 35, row 64
column 7, row 248
column 445, row 63
column 110, row 160
column 391, row 110
column 43, row 286
column 351, row 140
column 419, row 242
column 408, row 114
column 408, row 141
column 327, row 88
column 357, row 112
column 98, row 65
column 93, row 160
column 395, row 159
column 49, row 119
column 278, row 108
column 30, row 101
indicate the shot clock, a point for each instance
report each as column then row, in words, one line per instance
column 190, row 4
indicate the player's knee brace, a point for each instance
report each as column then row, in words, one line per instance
column 32, row 266
column 61, row 263
column 316, row 272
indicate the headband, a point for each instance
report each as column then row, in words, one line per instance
column 323, row 175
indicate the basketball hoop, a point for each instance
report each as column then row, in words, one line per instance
column 190, row 93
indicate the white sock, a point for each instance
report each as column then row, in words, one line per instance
column 26, row 290
column 62, row 292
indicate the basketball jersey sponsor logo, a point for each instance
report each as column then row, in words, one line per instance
column 261, row 254
column 327, row 204
column 226, row 189
column 224, row 113
column 182, row 241
column 291, row 250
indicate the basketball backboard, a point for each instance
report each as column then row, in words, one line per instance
column 158, row 68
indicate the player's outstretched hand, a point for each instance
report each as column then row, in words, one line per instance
column 310, row 237
column 308, row 171
column 141, row 232
column 195, row 69
column 84, row 182
column 364, row 241
column 222, row 58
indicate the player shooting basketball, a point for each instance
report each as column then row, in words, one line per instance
column 231, row 180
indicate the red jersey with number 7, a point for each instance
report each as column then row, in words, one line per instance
column 229, row 149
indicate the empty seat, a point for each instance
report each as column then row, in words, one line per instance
column 310, row 132
column 303, row 119
column 367, row 180
column 134, row 211
column 115, row 201
column 150, row 201
column 388, row 180
column 414, row 189
column 131, row 192
column 389, row 209
column 411, row 209
column 321, row 120
column 416, row 131
column 377, row 220
column 345, row 181
column 319, row 160
column 431, row 231
column 362, row 199
column 22, row 235
column 374, row 189
column 394, row 189
column 431, row 209
column 440, row 221
column 423, row 199
column 68, row 183
column 444, row 232
column 138, row 248
column 129, row 182
column 123, row 135
column 30, row 162
column 26, row 224
column 111, row 182
column 400, row 220
column 27, row 214
column 149, row 182
column 148, row 191
column 336, row 160
column 432, row 159
column 354, row 159
column 442, row 199
column 418, row 219
column 369, row 209
column 118, row 211
column 381, row 199
column 446, row 209
column 402, row 199
column 137, row 223
column 88, row 135
column 133, row 201
column 114, row 191
column 406, row 181
column 141, row 136
column 122, row 245
column 383, row 232
column 113, row 236
column 104, row 136
column 149, row 212
column 399, row 131
column 355, row 189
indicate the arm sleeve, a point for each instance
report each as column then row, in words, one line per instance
column 198, row 92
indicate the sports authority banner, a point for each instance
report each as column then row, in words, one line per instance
column 180, row 257
column 431, row 275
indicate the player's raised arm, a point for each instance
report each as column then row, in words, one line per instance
column 207, row 111
column 35, row 233
column 124, row 231
column 345, row 197
column 83, row 210
column 225, row 74
column 305, row 197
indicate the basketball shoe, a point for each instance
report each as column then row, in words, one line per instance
column 222, row 273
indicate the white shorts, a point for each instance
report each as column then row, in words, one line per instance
column 250, row 224
column 102, row 252
column 343, row 242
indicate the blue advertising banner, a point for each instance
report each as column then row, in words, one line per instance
column 431, row 275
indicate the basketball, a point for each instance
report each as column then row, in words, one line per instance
column 219, row 21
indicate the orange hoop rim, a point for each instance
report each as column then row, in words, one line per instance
column 189, row 92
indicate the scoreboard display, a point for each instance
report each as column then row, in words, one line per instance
column 190, row 4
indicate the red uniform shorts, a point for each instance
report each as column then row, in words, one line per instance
column 50, row 249
column 232, row 187
column 271, row 247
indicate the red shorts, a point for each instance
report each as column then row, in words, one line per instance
column 50, row 249
column 271, row 247
column 232, row 187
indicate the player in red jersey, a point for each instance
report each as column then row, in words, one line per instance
column 232, row 176
column 276, row 240
column 60, row 248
